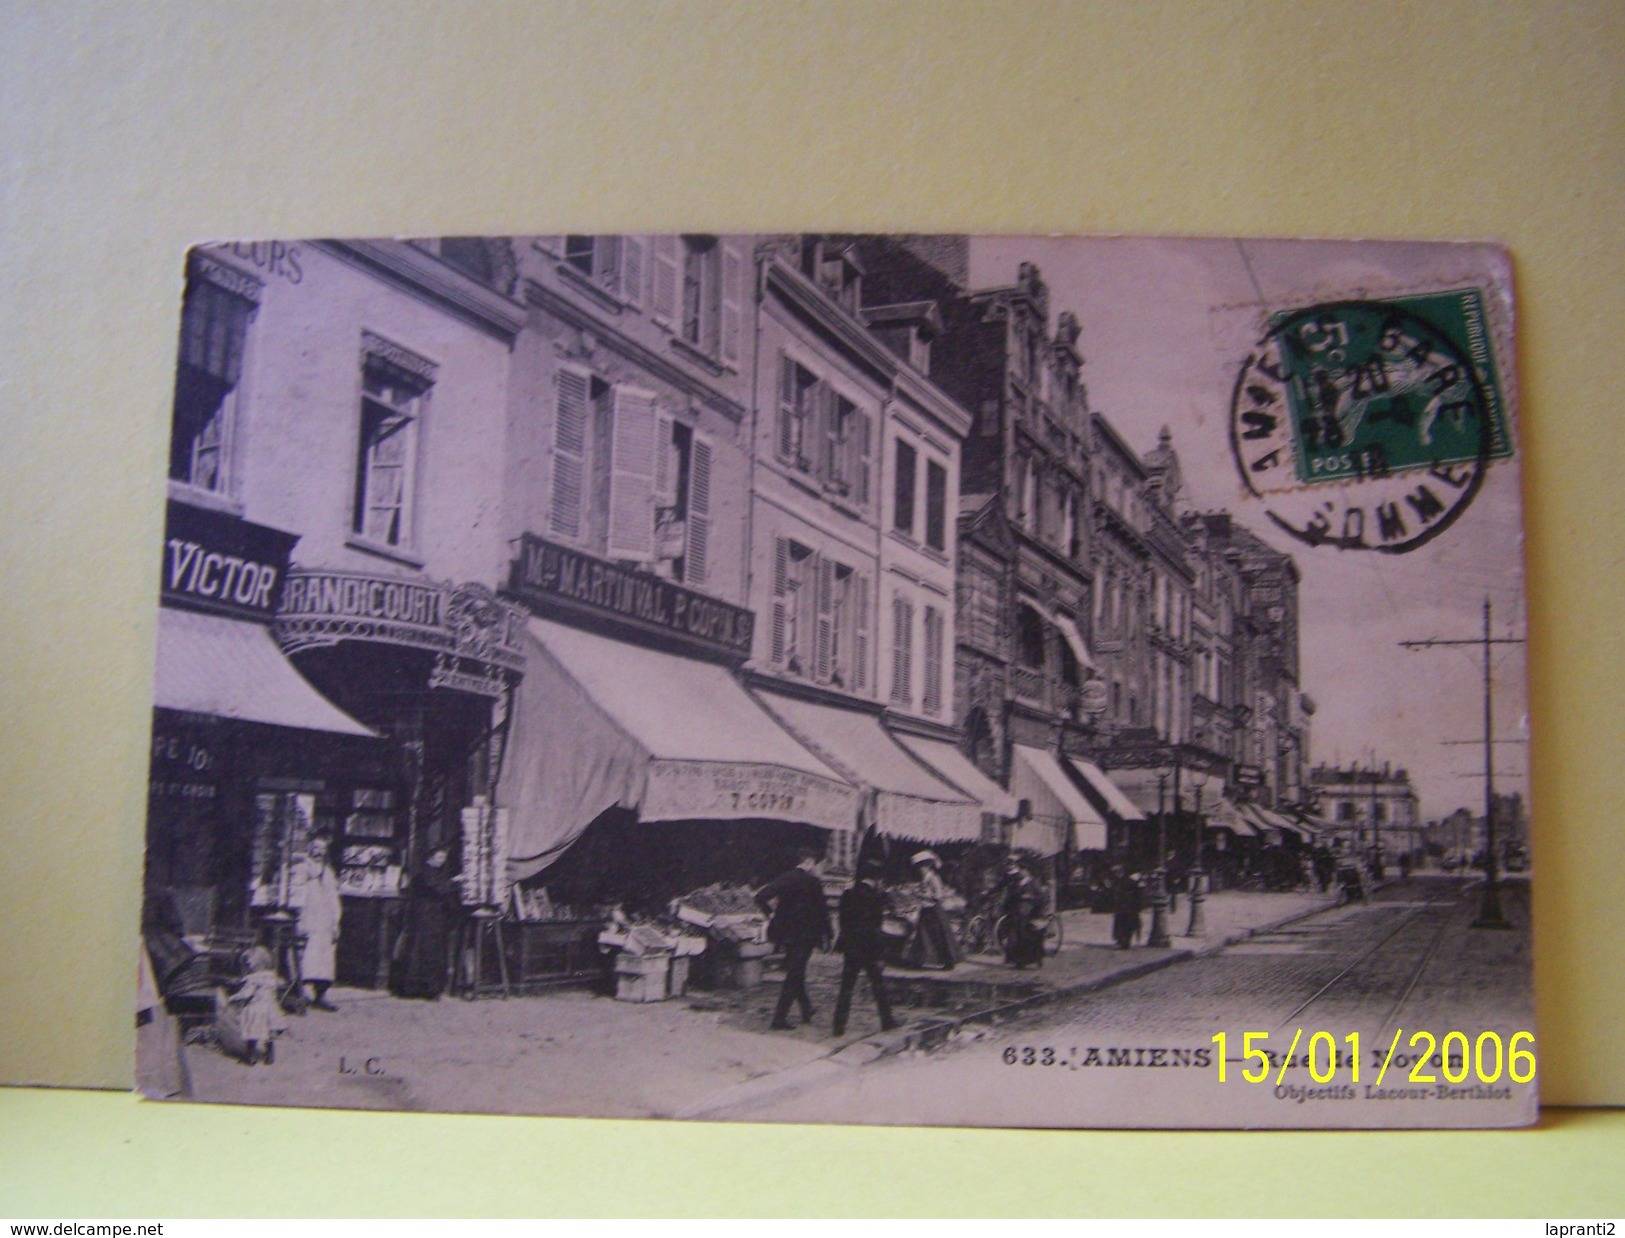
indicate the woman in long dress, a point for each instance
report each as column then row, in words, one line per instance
column 933, row 946
column 423, row 951
column 1023, row 906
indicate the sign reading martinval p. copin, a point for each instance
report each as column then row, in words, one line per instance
column 555, row 579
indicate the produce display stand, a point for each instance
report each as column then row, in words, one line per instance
column 546, row 954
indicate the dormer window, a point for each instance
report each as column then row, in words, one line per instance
column 837, row 271
column 907, row 330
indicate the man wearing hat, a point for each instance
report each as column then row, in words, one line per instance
column 795, row 901
column 860, row 914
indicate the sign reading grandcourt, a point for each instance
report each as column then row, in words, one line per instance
column 554, row 579
column 467, row 621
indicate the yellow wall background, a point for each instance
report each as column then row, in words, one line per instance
column 128, row 131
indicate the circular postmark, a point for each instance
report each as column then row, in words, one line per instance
column 1368, row 425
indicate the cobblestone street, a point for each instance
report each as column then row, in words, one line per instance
column 1409, row 959
column 580, row 1053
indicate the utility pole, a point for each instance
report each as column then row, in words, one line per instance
column 1489, row 914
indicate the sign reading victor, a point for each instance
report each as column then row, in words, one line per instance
column 556, row 579
column 322, row 607
column 222, row 564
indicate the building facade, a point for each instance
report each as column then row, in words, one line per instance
column 352, row 397
column 1369, row 808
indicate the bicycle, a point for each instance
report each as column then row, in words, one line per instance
column 1054, row 935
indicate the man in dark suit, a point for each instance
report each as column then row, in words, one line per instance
column 795, row 901
column 862, row 909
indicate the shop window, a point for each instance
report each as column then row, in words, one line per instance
column 936, row 506
column 902, row 678
column 934, row 633
column 214, row 336
column 392, row 404
column 903, row 489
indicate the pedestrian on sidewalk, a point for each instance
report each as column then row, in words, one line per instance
column 1127, row 901
column 932, row 946
column 314, row 892
column 795, row 902
column 859, row 917
column 429, row 929
column 1023, row 904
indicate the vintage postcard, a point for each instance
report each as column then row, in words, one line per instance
column 986, row 681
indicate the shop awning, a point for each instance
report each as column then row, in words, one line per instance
column 1037, row 776
column 1223, row 814
column 1262, row 825
column 958, row 769
column 230, row 668
column 599, row 723
column 911, row 801
column 1287, row 824
column 1105, row 792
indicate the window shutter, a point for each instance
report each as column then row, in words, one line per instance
column 632, row 476
column 824, row 623
column 933, row 660
column 632, row 270
column 862, row 429
column 666, row 465
column 733, row 299
column 833, row 462
column 781, row 586
column 606, row 263
column 816, row 448
column 569, row 452
column 787, row 409
column 664, row 250
column 699, row 513
column 902, row 652
column 860, row 634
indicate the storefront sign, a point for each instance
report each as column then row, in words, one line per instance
column 321, row 608
column 222, row 564
column 724, row 791
column 185, row 764
column 555, row 580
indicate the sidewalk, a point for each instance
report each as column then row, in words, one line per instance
column 575, row 1053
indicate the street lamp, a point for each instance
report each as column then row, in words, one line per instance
column 1198, row 924
column 1159, row 875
